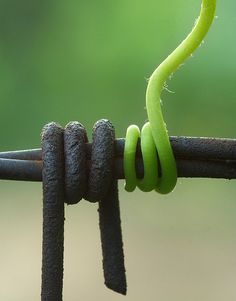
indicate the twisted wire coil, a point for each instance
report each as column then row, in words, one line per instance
column 66, row 179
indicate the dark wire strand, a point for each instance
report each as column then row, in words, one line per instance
column 53, row 213
column 183, row 147
column 195, row 157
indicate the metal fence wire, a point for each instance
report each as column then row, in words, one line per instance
column 71, row 168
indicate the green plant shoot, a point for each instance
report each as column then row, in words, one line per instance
column 154, row 135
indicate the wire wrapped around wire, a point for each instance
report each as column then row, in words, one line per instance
column 67, row 178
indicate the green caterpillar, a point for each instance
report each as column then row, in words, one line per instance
column 154, row 136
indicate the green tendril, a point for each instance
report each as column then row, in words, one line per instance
column 154, row 136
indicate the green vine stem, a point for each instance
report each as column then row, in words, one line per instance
column 154, row 135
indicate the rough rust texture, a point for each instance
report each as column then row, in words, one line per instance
column 75, row 162
column 102, row 157
column 195, row 157
column 102, row 186
column 68, row 182
column 53, row 212
column 111, row 238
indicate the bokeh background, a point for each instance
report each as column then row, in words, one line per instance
column 86, row 60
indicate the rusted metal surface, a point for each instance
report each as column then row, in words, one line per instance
column 195, row 157
column 59, row 150
column 103, row 187
column 20, row 170
column 75, row 139
column 31, row 154
column 53, row 213
column 71, row 169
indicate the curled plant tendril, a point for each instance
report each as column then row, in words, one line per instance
column 154, row 136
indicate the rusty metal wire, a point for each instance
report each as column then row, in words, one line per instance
column 195, row 157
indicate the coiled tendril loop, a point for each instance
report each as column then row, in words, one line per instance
column 154, row 136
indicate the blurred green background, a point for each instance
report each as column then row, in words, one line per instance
column 86, row 60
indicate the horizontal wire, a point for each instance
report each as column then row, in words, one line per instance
column 195, row 157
